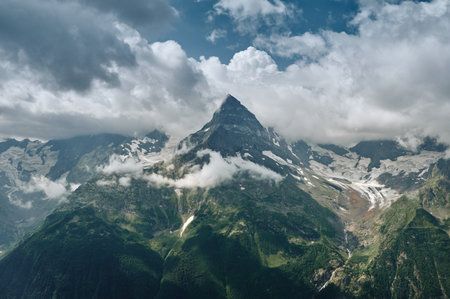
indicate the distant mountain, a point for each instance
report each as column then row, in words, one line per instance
column 235, row 211
column 35, row 175
column 379, row 150
column 405, row 249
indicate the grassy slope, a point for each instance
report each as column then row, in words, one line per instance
column 410, row 259
column 78, row 255
column 268, row 247
column 270, row 241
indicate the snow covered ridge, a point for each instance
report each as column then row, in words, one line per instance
column 32, row 170
column 351, row 172
column 276, row 158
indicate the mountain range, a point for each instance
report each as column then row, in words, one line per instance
column 231, row 211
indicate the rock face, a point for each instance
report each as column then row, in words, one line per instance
column 233, row 129
column 237, row 212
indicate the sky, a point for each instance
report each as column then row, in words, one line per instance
column 326, row 71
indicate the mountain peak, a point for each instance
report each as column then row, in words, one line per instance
column 233, row 108
column 234, row 130
column 231, row 103
column 232, row 114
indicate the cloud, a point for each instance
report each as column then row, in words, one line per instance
column 307, row 44
column 69, row 43
column 138, row 13
column 216, row 34
column 221, row 169
column 411, row 140
column 385, row 81
column 163, row 90
column 121, row 166
column 104, row 183
column 242, row 9
column 52, row 189
column 253, row 62
column 125, row 181
column 249, row 15
column 216, row 172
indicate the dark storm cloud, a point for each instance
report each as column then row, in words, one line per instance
column 69, row 43
column 54, row 125
column 139, row 13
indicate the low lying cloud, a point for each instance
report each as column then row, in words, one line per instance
column 216, row 172
column 19, row 202
column 120, row 166
column 103, row 183
column 37, row 185
column 125, row 181
column 52, row 189
column 447, row 154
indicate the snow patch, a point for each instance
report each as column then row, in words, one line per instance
column 275, row 157
column 247, row 155
column 296, row 177
column 74, row 187
column 185, row 225
column 354, row 169
column 292, row 152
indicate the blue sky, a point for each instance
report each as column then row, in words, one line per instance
column 198, row 20
column 335, row 71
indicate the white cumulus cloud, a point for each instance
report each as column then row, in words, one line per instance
column 216, row 172
column 387, row 80
column 52, row 189
column 248, row 15
column 307, row 44
column 121, row 166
